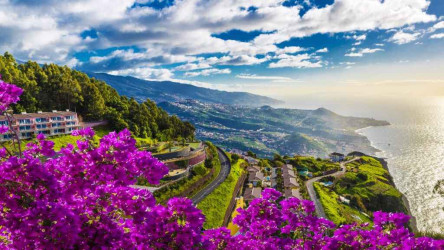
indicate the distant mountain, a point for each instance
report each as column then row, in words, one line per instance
column 161, row 91
column 266, row 130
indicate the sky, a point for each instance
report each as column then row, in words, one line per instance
column 279, row 48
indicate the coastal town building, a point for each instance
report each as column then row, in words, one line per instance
column 293, row 193
column 52, row 123
column 252, row 193
column 256, row 177
column 337, row 157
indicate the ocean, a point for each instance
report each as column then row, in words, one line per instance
column 413, row 146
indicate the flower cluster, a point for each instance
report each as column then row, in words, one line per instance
column 81, row 197
column 9, row 93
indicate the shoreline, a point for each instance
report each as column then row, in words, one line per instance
column 383, row 160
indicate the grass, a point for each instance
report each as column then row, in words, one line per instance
column 371, row 186
column 316, row 166
column 335, row 211
column 215, row 204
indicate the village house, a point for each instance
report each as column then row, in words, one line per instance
column 293, row 193
column 256, row 177
column 336, row 157
column 252, row 193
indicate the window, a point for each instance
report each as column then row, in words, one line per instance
column 45, row 132
column 25, row 127
column 8, row 136
column 58, row 124
column 70, row 123
column 25, row 121
column 40, row 126
column 69, row 117
column 41, row 120
column 57, row 118
column 4, row 123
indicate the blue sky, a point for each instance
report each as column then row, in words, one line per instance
column 231, row 44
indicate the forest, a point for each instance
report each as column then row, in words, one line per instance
column 51, row 87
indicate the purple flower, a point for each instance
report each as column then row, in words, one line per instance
column 9, row 94
column 4, row 129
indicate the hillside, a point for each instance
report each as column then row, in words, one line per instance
column 160, row 91
column 52, row 87
column 267, row 130
column 367, row 186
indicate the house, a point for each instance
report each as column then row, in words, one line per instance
column 49, row 123
column 336, row 157
column 289, row 173
column 253, row 168
column 255, row 177
column 290, row 182
column 252, row 193
column 292, row 192
column 288, row 166
column 250, row 160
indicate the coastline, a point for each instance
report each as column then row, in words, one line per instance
column 383, row 160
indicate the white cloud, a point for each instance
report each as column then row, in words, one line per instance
column 436, row 26
column 437, row 36
column 280, row 79
column 402, row 37
column 290, row 50
column 207, row 72
column 324, row 50
column 145, row 73
column 379, row 44
column 361, row 52
column 192, row 66
column 297, row 61
column 52, row 31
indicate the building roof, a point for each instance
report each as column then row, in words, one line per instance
column 288, row 166
column 288, row 173
column 290, row 182
column 40, row 115
column 256, row 176
column 252, row 193
column 253, row 168
column 289, row 192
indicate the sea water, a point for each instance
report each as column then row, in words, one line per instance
column 414, row 148
column 413, row 145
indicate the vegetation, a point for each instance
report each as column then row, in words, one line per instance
column 316, row 166
column 369, row 186
column 334, row 210
column 52, row 87
column 215, row 205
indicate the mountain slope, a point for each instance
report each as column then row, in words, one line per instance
column 160, row 91
column 267, row 130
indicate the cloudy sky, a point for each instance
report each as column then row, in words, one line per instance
column 264, row 46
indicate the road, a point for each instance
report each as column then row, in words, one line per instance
column 223, row 174
column 311, row 191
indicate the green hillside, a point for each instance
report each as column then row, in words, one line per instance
column 52, row 87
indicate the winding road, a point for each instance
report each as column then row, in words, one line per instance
column 225, row 168
column 311, row 191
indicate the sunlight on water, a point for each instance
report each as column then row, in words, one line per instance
column 414, row 148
